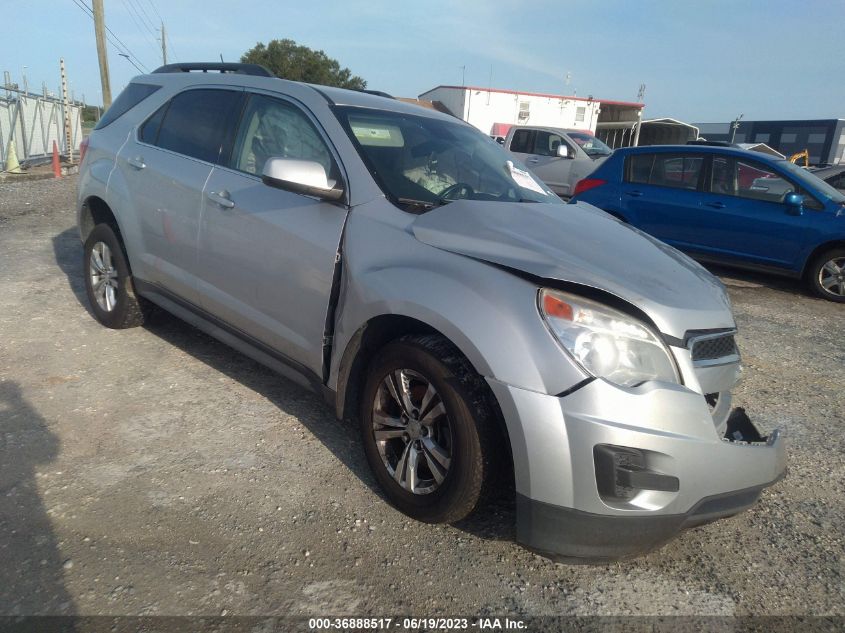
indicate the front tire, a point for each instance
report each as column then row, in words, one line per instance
column 108, row 281
column 826, row 275
column 428, row 431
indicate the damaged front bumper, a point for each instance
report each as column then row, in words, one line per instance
column 607, row 473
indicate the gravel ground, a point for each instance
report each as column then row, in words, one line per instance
column 156, row 472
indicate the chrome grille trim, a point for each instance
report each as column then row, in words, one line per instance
column 714, row 349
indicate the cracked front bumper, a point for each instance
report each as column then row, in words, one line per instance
column 560, row 509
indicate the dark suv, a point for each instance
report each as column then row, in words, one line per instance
column 730, row 206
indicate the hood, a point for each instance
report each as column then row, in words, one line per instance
column 580, row 244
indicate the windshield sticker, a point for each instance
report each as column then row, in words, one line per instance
column 524, row 179
column 375, row 134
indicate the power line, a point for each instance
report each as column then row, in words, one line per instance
column 114, row 39
column 158, row 15
column 141, row 27
column 170, row 47
column 140, row 6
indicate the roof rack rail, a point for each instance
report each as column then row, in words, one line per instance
column 238, row 69
column 377, row 93
column 711, row 143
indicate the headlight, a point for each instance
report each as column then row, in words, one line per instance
column 605, row 342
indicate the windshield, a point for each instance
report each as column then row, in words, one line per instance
column 422, row 162
column 811, row 180
column 590, row 144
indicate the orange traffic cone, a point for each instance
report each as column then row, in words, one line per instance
column 57, row 170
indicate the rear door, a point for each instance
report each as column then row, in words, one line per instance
column 166, row 166
column 661, row 194
column 267, row 256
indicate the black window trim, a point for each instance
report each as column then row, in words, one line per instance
column 236, row 116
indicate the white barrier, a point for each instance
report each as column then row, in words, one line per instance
column 33, row 122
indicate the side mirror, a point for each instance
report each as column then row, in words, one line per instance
column 307, row 177
column 562, row 151
column 794, row 203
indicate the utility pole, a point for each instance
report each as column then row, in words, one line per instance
column 100, row 33
column 735, row 127
column 163, row 45
column 639, row 124
column 66, row 109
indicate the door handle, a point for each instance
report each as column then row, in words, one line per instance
column 532, row 161
column 634, row 194
column 137, row 162
column 716, row 205
column 221, row 198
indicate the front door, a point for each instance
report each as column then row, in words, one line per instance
column 745, row 216
column 549, row 167
column 267, row 256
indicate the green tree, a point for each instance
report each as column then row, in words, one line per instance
column 288, row 60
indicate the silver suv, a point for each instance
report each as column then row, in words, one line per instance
column 438, row 295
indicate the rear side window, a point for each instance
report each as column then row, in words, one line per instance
column 666, row 170
column 132, row 95
column 523, row 141
column 198, row 122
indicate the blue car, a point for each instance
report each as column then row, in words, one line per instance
column 729, row 206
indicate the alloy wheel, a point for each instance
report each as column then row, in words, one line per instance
column 412, row 431
column 832, row 276
column 104, row 280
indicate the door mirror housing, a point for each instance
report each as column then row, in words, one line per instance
column 307, row 177
column 794, row 203
column 563, row 151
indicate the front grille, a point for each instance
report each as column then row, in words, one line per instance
column 713, row 348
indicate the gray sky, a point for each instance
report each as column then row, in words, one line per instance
column 706, row 60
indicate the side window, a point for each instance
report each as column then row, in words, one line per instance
column 678, row 172
column 271, row 128
column 148, row 133
column 197, row 122
column 546, row 144
column 638, row 168
column 758, row 182
column 522, row 142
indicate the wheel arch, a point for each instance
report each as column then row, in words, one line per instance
column 818, row 250
column 96, row 211
column 365, row 343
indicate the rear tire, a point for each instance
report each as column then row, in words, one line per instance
column 826, row 275
column 108, row 281
column 434, row 464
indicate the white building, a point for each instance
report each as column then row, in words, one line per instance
column 493, row 111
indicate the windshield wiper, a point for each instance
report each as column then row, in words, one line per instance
column 425, row 205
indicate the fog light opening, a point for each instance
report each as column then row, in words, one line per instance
column 621, row 474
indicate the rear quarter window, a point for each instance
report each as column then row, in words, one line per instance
column 131, row 96
column 638, row 168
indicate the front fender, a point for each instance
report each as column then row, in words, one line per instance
column 488, row 313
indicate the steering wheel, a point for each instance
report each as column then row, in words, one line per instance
column 448, row 192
